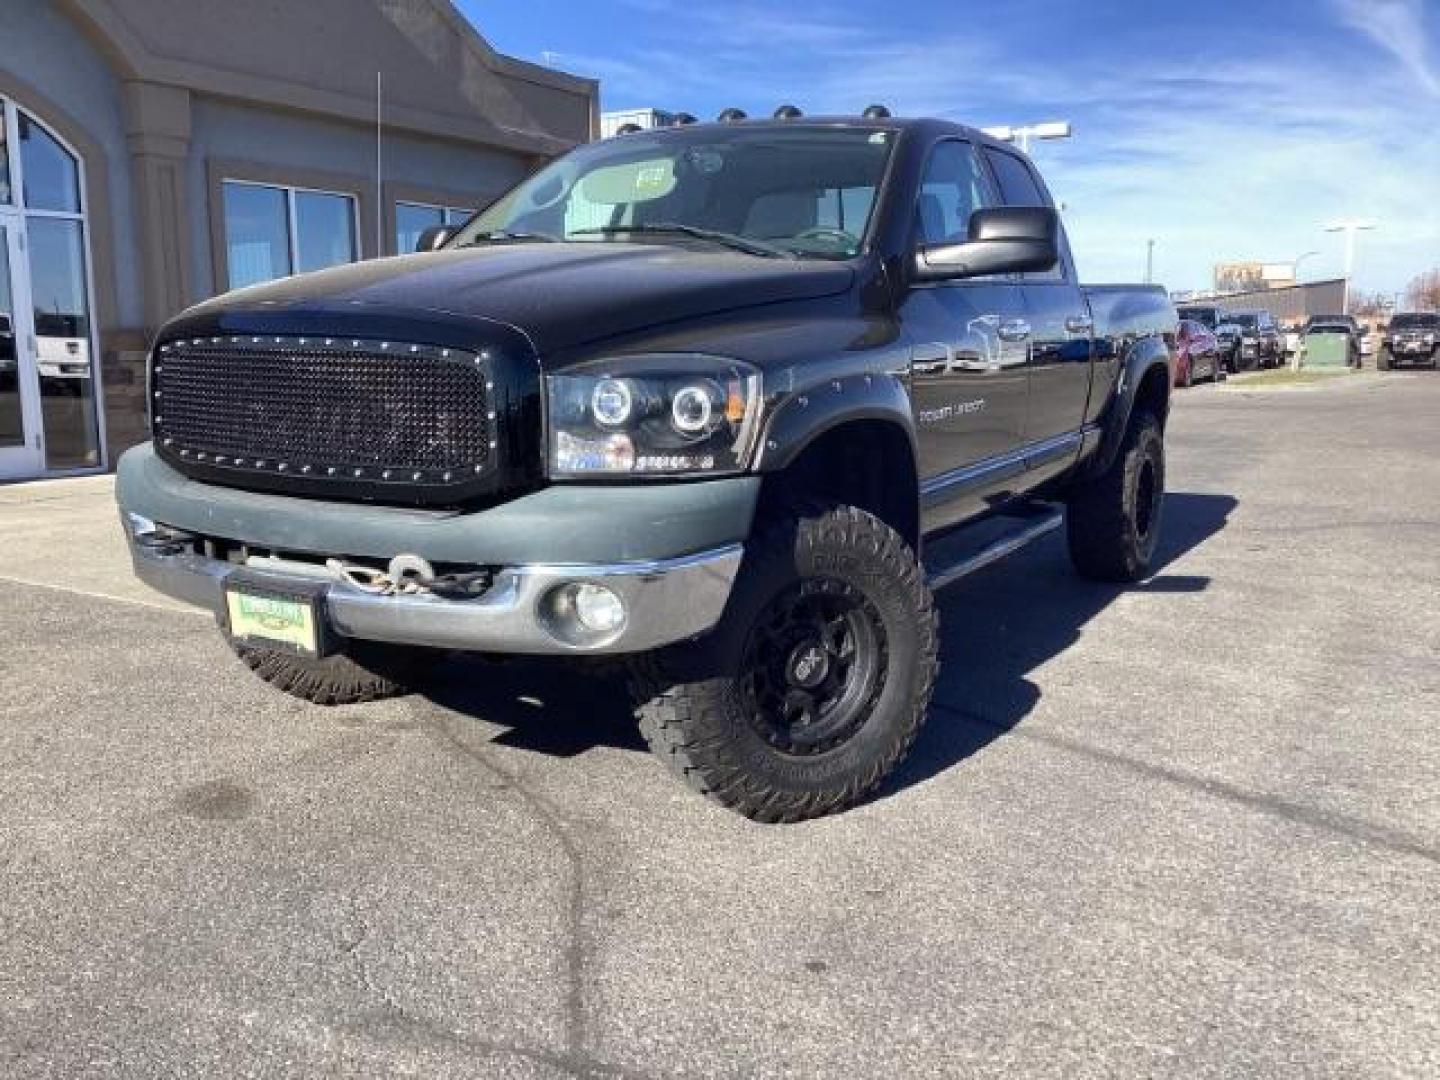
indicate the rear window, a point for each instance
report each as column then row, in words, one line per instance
column 1205, row 316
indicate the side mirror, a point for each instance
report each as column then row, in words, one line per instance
column 1003, row 240
column 434, row 238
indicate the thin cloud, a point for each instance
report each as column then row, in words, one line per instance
column 1398, row 27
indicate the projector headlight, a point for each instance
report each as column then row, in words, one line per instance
column 662, row 414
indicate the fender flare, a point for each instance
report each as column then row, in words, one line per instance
column 804, row 416
column 1143, row 357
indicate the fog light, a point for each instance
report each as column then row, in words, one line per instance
column 597, row 608
column 584, row 613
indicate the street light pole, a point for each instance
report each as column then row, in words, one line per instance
column 1349, row 228
column 1021, row 134
column 1149, row 262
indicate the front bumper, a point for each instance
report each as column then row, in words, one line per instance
column 670, row 552
column 665, row 601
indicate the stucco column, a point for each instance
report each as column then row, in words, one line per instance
column 157, row 130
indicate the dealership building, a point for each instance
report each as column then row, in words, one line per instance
column 154, row 153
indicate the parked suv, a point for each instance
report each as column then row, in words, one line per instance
column 1260, row 342
column 693, row 400
column 1413, row 340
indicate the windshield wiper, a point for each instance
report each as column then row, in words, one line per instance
column 730, row 240
column 502, row 235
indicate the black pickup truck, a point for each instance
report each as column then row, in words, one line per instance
column 697, row 400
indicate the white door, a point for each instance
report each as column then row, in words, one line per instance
column 21, row 451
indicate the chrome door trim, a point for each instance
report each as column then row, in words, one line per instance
column 1014, row 462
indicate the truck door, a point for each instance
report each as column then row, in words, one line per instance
column 1061, row 328
column 968, row 352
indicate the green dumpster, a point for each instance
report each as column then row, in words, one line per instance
column 1328, row 347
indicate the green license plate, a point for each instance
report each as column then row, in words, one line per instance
column 273, row 619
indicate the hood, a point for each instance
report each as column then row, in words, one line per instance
column 559, row 295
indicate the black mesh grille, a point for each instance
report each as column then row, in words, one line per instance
column 377, row 412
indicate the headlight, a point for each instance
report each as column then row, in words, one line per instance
column 1429, row 339
column 663, row 414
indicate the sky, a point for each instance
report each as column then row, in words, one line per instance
column 1222, row 130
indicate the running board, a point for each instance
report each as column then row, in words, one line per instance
column 1005, row 545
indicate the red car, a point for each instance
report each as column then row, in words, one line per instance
column 1199, row 355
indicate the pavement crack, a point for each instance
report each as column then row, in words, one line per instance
column 576, row 955
column 1352, row 828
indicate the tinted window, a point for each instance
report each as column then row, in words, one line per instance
column 1017, row 183
column 953, row 189
column 1018, row 187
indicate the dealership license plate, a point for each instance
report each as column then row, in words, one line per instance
column 287, row 620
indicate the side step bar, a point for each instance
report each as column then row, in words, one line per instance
column 1032, row 530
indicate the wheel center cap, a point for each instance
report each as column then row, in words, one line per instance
column 808, row 665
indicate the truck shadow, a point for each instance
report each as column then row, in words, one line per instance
column 996, row 628
column 1000, row 625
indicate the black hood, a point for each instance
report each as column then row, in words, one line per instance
column 559, row 295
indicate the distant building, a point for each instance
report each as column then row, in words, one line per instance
column 1287, row 303
column 1251, row 276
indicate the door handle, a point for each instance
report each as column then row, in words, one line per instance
column 1079, row 324
column 1014, row 330
column 930, row 359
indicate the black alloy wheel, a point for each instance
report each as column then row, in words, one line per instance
column 814, row 667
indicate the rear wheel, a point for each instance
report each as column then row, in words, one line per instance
column 1113, row 521
column 815, row 684
column 365, row 671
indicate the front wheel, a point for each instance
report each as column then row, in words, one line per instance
column 816, row 682
column 1113, row 521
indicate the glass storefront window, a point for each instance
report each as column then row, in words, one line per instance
column 52, row 179
column 272, row 232
column 6, row 196
column 62, row 340
column 12, row 427
column 324, row 230
column 257, row 234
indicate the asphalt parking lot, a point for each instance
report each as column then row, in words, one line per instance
column 1187, row 829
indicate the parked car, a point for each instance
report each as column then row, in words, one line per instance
column 1209, row 316
column 709, row 443
column 1319, row 336
column 1197, row 354
column 1229, row 336
column 1260, row 344
column 1412, row 340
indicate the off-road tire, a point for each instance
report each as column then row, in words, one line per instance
column 697, row 706
column 365, row 671
column 1113, row 521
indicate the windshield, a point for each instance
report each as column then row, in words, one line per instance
column 1246, row 320
column 796, row 191
column 1415, row 321
column 1204, row 316
column 1330, row 328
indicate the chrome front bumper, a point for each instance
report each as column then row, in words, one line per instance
column 665, row 601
